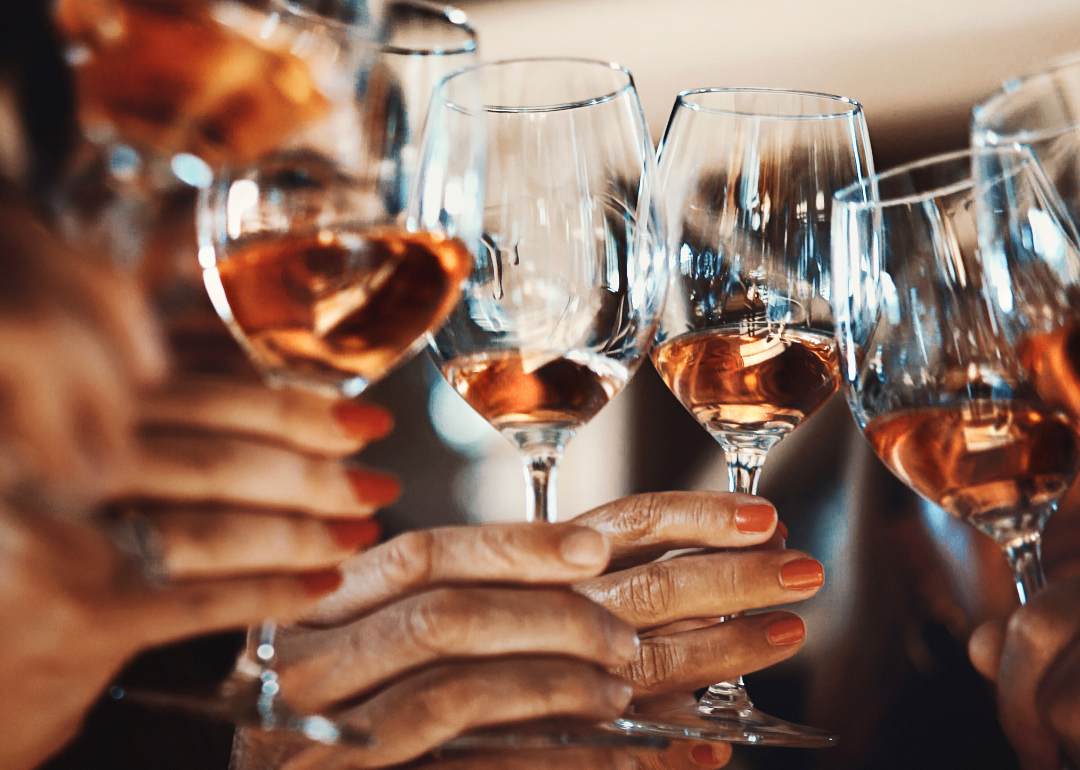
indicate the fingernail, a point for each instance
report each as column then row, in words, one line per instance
column 583, row 547
column 783, row 529
column 322, row 582
column 787, row 631
column 618, row 693
column 622, row 639
column 355, row 535
column 755, row 518
column 703, row 754
column 373, row 488
column 362, row 421
column 804, row 573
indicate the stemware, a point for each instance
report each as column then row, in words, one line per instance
column 308, row 260
column 746, row 341
column 943, row 282
column 570, row 272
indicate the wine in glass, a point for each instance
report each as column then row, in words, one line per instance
column 570, row 271
column 940, row 280
column 746, row 341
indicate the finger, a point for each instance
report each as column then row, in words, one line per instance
column 495, row 553
column 192, row 467
column 667, row 702
column 705, row 586
column 658, row 522
column 304, row 420
column 1059, row 698
column 218, row 541
column 178, row 612
column 1037, row 634
column 328, row 666
column 413, row 716
column 985, row 647
column 694, row 659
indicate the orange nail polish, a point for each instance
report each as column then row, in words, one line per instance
column 355, row 535
column 362, row 421
column 703, row 754
column 373, row 488
column 801, row 574
column 783, row 529
column 787, row 631
column 321, row 583
column 755, row 518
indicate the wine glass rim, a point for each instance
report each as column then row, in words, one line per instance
column 857, row 191
column 454, row 16
column 854, row 107
column 628, row 86
column 1012, row 86
column 356, row 29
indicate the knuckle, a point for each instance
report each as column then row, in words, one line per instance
column 652, row 591
column 438, row 622
column 640, row 519
column 653, row 669
column 1031, row 628
column 407, row 560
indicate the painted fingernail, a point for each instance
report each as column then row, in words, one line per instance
column 618, row 693
column 755, row 518
column 321, row 583
column 355, row 535
column 804, row 573
column 783, row 530
column 373, row 488
column 583, row 547
column 703, row 754
column 362, row 421
column 787, row 631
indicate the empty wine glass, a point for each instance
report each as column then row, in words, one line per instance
column 746, row 342
column 570, row 269
column 942, row 285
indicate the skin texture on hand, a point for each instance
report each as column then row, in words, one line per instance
column 446, row 627
column 252, row 514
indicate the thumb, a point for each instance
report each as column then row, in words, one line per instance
column 985, row 647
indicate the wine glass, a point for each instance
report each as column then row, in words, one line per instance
column 943, row 284
column 310, row 264
column 746, row 341
column 570, row 270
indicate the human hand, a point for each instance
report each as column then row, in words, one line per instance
column 78, row 343
column 442, row 631
column 1034, row 658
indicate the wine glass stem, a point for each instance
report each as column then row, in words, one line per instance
column 540, row 468
column 744, row 469
column 1025, row 558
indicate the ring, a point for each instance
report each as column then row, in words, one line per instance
column 137, row 537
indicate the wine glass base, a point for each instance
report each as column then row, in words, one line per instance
column 748, row 726
column 246, row 702
column 554, row 734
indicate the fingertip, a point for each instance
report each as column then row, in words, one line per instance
column 710, row 754
column 584, row 547
column 786, row 631
column 371, row 488
column 361, row 421
column 985, row 647
column 755, row 518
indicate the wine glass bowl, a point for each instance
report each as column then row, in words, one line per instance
column 933, row 301
column 570, row 272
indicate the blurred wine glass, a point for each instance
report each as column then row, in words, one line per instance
column 570, row 271
column 746, row 341
column 944, row 285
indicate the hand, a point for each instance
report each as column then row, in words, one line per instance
column 400, row 653
column 1034, row 658
column 77, row 344
column 252, row 508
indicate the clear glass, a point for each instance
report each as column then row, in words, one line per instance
column 570, row 270
column 307, row 258
column 746, row 341
column 948, row 289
